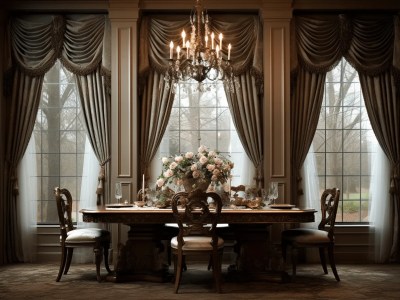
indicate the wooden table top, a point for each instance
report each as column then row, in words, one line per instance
column 152, row 215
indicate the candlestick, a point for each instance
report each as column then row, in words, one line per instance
column 220, row 41
column 178, row 50
column 183, row 38
column 217, row 51
column 229, row 51
column 171, row 49
column 206, row 39
column 187, row 49
column 212, row 40
column 143, row 188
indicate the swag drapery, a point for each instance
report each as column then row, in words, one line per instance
column 371, row 43
column 244, row 33
column 34, row 44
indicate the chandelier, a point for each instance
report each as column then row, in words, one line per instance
column 202, row 56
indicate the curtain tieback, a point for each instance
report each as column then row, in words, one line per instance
column 102, row 177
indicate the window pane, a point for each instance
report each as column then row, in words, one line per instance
column 60, row 142
column 343, row 143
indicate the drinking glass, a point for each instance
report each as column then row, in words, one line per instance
column 272, row 192
column 118, row 191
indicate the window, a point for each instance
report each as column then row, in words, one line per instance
column 343, row 143
column 203, row 118
column 59, row 142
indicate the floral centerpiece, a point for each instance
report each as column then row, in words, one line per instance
column 196, row 170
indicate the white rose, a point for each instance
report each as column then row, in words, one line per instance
column 168, row 173
column 218, row 161
column 189, row 155
column 212, row 153
column 202, row 149
column 210, row 167
column 173, row 165
column 178, row 158
column 165, row 160
column 160, row 182
column 193, row 167
column 203, row 160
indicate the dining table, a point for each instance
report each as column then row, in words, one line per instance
column 142, row 257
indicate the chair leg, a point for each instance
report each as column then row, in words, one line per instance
column 98, row 253
column 62, row 263
column 106, row 247
column 323, row 259
column 70, row 252
column 283, row 249
column 178, row 272
column 332, row 262
column 216, row 267
column 294, row 261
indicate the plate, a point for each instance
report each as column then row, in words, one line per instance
column 282, row 206
column 118, row 205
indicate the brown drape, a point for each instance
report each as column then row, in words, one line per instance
column 35, row 43
column 156, row 31
column 368, row 42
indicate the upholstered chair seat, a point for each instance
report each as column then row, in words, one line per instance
column 86, row 235
column 200, row 243
column 306, row 236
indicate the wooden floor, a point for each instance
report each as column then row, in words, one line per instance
column 37, row 281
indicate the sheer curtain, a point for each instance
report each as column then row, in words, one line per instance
column 27, row 205
column 310, row 186
column 88, row 197
column 381, row 208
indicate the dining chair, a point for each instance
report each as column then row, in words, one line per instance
column 70, row 237
column 320, row 238
column 197, row 224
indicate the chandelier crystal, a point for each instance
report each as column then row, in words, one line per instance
column 200, row 56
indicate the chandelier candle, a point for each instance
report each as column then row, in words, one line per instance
column 196, row 60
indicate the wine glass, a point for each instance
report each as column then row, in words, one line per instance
column 272, row 192
column 118, row 191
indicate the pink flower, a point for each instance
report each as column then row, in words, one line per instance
column 160, row 182
column 193, row 167
column 210, row 167
column 173, row 165
column 203, row 160
column 168, row 173
column 178, row 159
column 189, row 155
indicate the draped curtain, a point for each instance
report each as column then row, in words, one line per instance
column 371, row 44
column 156, row 31
column 35, row 43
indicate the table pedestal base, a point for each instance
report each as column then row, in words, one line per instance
column 142, row 258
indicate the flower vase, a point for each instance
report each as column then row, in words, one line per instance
column 191, row 184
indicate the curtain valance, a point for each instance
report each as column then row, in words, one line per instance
column 367, row 42
column 77, row 40
column 242, row 31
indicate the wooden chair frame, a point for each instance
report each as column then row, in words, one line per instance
column 194, row 221
column 100, row 245
column 292, row 237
